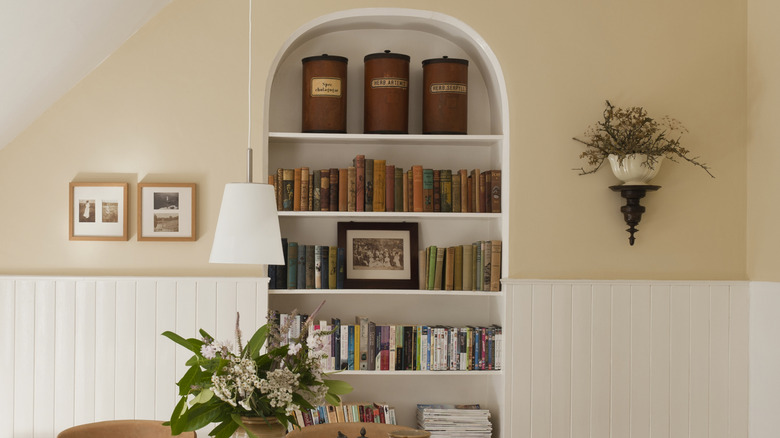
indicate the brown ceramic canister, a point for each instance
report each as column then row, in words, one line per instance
column 386, row 93
column 324, row 94
column 445, row 96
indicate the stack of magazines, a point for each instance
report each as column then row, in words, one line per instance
column 449, row 420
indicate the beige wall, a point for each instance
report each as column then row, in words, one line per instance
column 763, row 69
column 170, row 105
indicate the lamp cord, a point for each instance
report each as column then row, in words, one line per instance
column 249, row 105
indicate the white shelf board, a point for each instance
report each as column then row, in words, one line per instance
column 384, row 139
column 450, row 293
column 357, row 215
column 476, row 373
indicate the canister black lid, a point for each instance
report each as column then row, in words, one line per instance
column 386, row 54
column 324, row 57
column 445, row 59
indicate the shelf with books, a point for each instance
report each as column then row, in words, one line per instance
column 343, row 140
column 388, row 215
column 374, row 292
column 482, row 373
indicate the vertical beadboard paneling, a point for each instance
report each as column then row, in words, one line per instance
column 621, row 360
column 84, row 365
column 739, row 341
column 640, row 361
column 521, row 369
column 44, row 356
column 24, row 356
column 560, row 403
column 105, row 349
column 246, row 304
column 660, row 348
column 145, row 352
column 679, row 361
column 226, row 311
column 719, row 362
column 207, row 307
column 700, row 361
column 581, row 310
column 124, row 405
column 165, row 353
column 601, row 362
column 64, row 354
column 7, row 345
column 541, row 358
column 186, row 317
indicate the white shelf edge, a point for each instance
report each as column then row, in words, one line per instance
column 357, row 215
column 449, row 293
column 474, row 373
column 345, row 139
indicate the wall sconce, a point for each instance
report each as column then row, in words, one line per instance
column 632, row 211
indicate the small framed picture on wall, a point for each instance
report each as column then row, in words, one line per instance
column 379, row 255
column 166, row 211
column 98, row 211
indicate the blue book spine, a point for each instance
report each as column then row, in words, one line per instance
column 325, row 270
column 342, row 269
column 351, row 348
column 292, row 265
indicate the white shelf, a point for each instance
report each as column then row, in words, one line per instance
column 449, row 293
column 358, row 215
column 384, row 139
column 475, row 373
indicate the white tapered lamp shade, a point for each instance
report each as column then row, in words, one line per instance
column 248, row 227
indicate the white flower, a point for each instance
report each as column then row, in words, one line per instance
column 294, row 349
column 209, row 351
column 280, row 386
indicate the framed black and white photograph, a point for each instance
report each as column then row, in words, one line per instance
column 166, row 211
column 98, row 211
column 379, row 255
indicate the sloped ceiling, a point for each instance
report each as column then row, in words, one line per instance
column 48, row 46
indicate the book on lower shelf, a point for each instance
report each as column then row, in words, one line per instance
column 451, row 420
column 358, row 412
column 370, row 346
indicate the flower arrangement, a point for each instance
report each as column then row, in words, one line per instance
column 630, row 131
column 226, row 382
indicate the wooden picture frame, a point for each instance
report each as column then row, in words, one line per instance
column 166, row 212
column 97, row 211
column 379, row 255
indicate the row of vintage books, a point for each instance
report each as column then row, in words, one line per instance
column 368, row 346
column 346, row 413
column 375, row 185
column 308, row 267
column 475, row 266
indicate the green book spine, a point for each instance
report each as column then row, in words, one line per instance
column 446, row 191
column 332, row 266
column 427, row 187
column 431, row 267
column 458, row 280
column 292, row 265
column 316, row 182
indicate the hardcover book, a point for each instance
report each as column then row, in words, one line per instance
column 297, row 189
column 399, row 189
column 333, row 203
column 436, row 190
column 380, row 167
column 304, row 189
column 343, row 189
column 369, row 189
column 468, row 267
column 325, row 260
column 495, row 190
column 325, row 190
column 446, row 191
column 456, row 193
column 417, row 188
column 288, row 189
column 427, row 190
column 360, row 181
column 363, row 323
column 332, row 267
column 292, row 265
column 390, row 187
column 449, row 268
column 316, row 182
column 351, row 189
column 301, row 281
column 279, row 181
column 495, row 265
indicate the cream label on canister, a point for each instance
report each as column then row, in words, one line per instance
column 389, row 83
column 449, row 87
column 325, row 87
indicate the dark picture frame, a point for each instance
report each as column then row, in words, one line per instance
column 379, row 255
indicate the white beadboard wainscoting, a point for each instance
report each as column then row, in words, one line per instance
column 78, row 350
column 629, row 359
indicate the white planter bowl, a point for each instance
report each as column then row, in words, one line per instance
column 633, row 170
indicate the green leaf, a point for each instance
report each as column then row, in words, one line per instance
column 177, row 426
column 339, row 387
column 333, row 400
column 204, row 396
column 225, row 429
column 201, row 415
column 237, row 419
column 205, row 335
column 186, row 343
column 256, row 343
column 185, row 383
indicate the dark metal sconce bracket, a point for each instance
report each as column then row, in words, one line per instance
column 632, row 211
